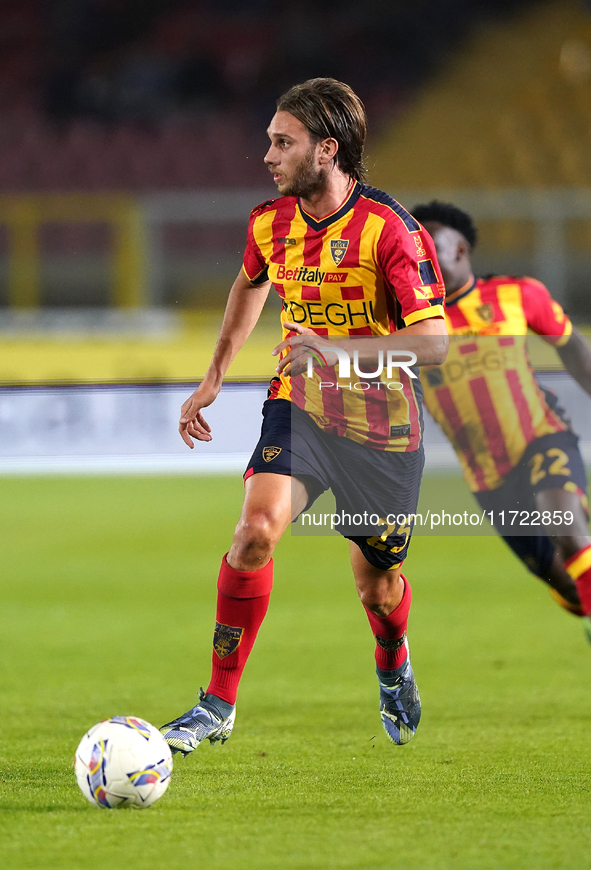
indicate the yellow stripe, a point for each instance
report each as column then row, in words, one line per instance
column 568, row 331
column 581, row 564
column 262, row 231
column 424, row 313
column 469, row 304
column 511, row 304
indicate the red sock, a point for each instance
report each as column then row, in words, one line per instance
column 243, row 598
column 579, row 568
column 390, row 632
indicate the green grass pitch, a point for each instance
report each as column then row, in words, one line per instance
column 107, row 607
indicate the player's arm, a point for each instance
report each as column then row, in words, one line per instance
column 427, row 339
column 546, row 317
column 576, row 358
column 243, row 309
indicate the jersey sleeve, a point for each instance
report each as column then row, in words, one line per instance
column 409, row 265
column 544, row 315
column 254, row 264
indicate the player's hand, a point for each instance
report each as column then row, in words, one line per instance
column 192, row 423
column 298, row 344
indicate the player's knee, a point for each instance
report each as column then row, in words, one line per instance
column 376, row 600
column 381, row 593
column 256, row 534
column 380, row 608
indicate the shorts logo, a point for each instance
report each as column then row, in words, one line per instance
column 270, row 453
column 338, row 249
column 485, row 312
column 226, row 639
column 390, row 644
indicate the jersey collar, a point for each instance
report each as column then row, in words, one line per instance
column 344, row 207
column 461, row 291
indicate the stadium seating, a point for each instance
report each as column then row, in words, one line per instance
column 95, row 96
column 525, row 126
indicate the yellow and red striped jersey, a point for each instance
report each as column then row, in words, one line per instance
column 485, row 396
column 367, row 269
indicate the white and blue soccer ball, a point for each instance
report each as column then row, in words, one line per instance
column 123, row 762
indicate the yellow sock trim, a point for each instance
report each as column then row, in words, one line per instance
column 579, row 564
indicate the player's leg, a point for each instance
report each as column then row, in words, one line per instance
column 244, row 587
column 571, row 539
column 386, row 597
column 539, row 555
column 550, row 478
column 271, row 502
column 382, row 487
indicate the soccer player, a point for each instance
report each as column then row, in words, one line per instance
column 516, row 448
column 349, row 262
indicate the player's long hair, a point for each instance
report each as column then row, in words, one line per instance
column 330, row 109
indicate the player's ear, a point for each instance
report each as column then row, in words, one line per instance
column 462, row 251
column 328, row 150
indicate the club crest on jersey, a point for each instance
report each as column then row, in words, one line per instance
column 226, row 639
column 338, row 249
column 270, row 453
column 485, row 312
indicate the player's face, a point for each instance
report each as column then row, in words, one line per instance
column 292, row 158
column 452, row 253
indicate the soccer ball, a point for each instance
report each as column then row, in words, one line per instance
column 123, row 762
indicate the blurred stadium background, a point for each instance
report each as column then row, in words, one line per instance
column 131, row 150
column 131, row 144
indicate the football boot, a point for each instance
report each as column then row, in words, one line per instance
column 202, row 722
column 400, row 704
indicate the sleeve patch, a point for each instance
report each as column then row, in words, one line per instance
column 427, row 272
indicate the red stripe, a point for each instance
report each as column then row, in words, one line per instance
column 376, row 413
column 310, row 294
column 333, row 402
column 456, row 316
column 360, row 330
column 468, row 348
column 280, row 229
column 280, row 290
column 505, row 340
column 313, row 246
column 498, row 316
column 348, row 294
column 521, row 405
column 460, row 434
column 353, row 232
column 492, row 427
column 413, row 408
column 391, row 307
column 274, row 388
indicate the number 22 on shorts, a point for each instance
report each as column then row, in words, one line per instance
column 557, row 466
